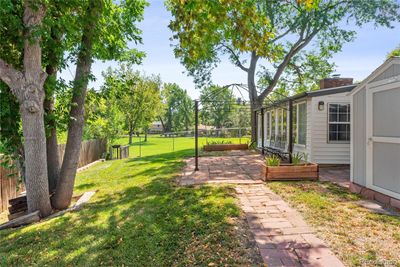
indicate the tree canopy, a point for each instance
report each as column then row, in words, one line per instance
column 178, row 108
column 268, row 39
column 136, row 96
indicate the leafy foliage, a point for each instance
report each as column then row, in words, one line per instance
column 219, row 142
column 272, row 32
column 136, row 96
column 394, row 53
column 217, row 106
column 178, row 108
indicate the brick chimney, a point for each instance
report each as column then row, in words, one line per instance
column 335, row 81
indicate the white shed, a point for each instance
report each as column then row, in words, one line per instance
column 321, row 123
column 375, row 145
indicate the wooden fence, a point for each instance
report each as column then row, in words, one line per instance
column 9, row 187
column 91, row 151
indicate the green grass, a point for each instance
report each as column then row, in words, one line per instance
column 138, row 217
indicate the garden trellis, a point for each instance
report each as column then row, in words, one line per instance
column 239, row 105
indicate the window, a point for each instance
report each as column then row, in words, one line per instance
column 273, row 122
column 279, row 124
column 300, row 123
column 268, row 126
column 339, row 123
column 284, row 126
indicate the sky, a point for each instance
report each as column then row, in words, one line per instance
column 357, row 59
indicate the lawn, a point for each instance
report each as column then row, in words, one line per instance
column 138, row 217
column 360, row 237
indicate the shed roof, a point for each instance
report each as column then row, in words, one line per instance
column 375, row 73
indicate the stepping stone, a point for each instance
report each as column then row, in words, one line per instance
column 375, row 207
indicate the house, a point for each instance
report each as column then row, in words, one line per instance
column 156, row 127
column 375, row 142
column 320, row 123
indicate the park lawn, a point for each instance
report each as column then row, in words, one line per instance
column 138, row 217
column 358, row 236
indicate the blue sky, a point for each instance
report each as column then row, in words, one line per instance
column 357, row 59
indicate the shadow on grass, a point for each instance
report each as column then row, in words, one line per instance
column 156, row 224
column 85, row 186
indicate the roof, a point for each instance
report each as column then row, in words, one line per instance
column 320, row 92
column 375, row 73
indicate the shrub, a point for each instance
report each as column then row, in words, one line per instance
column 219, row 142
column 297, row 158
column 273, row 161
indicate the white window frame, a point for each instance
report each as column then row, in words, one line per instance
column 337, row 122
column 268, row 131
column 297, row 123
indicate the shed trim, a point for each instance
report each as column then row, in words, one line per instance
column 376, row 73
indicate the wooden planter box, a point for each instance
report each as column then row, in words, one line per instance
column 289, row 172
column 225, row 147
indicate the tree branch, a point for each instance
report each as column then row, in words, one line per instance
column 300, row 44
column 235, row 57
column 9, row 75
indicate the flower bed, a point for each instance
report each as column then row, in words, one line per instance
column 290, row 172
column 225, row 147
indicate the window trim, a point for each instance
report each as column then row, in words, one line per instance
column 344, row 123
column 268, row 125
column 297, row 124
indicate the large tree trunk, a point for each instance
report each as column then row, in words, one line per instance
column 27, row 86
column 63, row 195
column 37, row 191
column 254, row 101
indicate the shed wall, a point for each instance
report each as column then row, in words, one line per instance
column 358, row 129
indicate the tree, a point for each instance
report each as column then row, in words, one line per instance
column 80, row 31
column 27, row 86
column 101, row 41
column 273, row 34
column 178, row 108
column 138, row 96
column 217, row 106
column 394, row 53
column 103, row 118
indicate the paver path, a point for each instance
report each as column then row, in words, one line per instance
column 282, row 236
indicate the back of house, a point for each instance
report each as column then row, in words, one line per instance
column 320, row 123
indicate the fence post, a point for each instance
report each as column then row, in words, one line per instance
column 196, row 134
column 140, row 146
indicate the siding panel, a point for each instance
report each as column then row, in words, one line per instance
column 392, row 71
column 322, row 151
column 359, row 143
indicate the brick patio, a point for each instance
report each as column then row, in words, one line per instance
column 281, row 234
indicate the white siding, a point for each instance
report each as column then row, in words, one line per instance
column 322, row 151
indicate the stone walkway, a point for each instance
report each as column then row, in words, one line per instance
column 238, row 168
column 282, row 236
